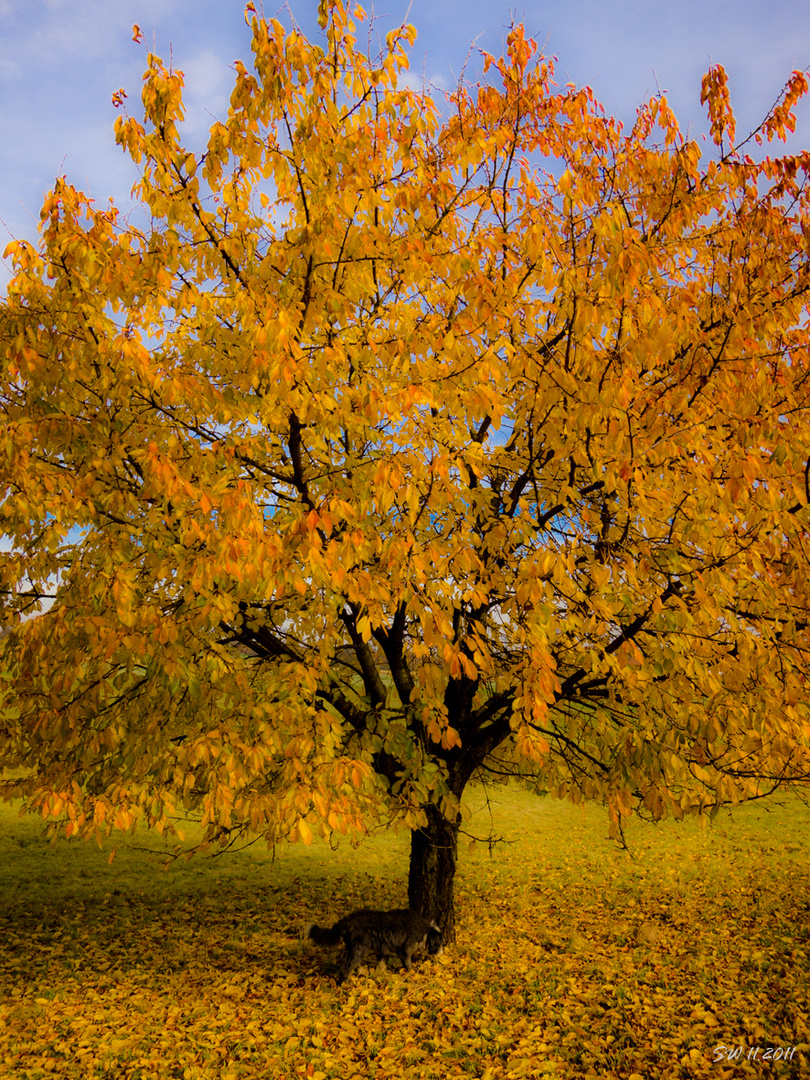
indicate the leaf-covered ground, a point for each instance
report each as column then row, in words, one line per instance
column 573, row 959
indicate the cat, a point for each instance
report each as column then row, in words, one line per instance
column 385, row 933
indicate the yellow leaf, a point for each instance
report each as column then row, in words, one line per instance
column 304, row 832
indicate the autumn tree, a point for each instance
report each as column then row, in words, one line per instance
column 411, row 439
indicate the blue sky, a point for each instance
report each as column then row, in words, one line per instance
column 61, row 60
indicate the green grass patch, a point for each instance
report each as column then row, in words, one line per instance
column 574, row 957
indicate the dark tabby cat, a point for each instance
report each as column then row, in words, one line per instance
column 385, row 933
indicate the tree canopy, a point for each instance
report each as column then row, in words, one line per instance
column 403, row 440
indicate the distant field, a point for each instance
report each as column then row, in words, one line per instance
column 574, row 958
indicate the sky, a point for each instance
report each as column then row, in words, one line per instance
column 62, row 60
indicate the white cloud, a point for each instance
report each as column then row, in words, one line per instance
column 208, row 84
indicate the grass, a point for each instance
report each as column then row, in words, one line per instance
column 574, row 957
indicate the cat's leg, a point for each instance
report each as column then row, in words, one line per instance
column 356, row 952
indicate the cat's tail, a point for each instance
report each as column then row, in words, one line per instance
column 324, row 935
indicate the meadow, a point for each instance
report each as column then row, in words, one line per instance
column 686, row 956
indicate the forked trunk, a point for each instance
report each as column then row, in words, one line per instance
column 433, row 869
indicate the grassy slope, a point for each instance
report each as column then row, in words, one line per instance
column 574, row 959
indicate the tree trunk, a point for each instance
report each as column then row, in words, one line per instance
column 433, row 869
